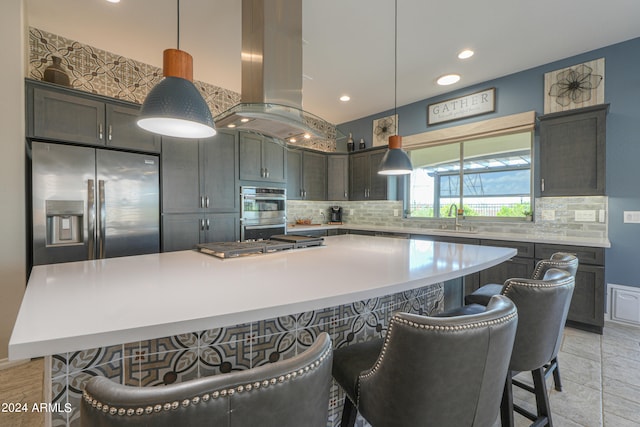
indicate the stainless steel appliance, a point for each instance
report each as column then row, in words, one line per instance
column 263, row 212
column 336, row 215
column 90, row 203
column 277, row 243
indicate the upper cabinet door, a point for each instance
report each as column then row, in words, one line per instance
column 294, row 175
column 219, row 166
column 180, row 176
column 572, row 152
column 338, row 177
column 251, row 157
column 273, row 161
column 123, row 132
column 314, row 172
column 63, row 117
column 378, row 183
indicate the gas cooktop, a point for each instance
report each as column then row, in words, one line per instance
column 280, row 242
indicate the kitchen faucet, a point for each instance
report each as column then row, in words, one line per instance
column 451, row 208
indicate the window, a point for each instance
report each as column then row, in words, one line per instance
column 488, row 177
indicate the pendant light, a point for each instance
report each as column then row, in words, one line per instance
column 395, row 161
column 175, row 107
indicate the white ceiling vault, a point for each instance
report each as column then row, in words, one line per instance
column 349, row 44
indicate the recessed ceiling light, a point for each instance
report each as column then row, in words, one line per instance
column 292, row 139
column 345, row 98
column 113, row 1
column 448, row 79
column 467, row 53
column 244, row 120
column 231, row 125
column 307, row 136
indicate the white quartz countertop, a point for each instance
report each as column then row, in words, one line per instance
column 81, row 305
column 555, row 239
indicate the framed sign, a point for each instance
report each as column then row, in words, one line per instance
column 477, row 103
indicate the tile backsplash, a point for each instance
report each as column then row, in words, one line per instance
column 553, row 215
column 109, row 74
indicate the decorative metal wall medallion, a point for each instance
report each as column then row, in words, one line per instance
column 574, row 87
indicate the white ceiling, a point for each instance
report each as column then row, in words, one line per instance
column 350, row 43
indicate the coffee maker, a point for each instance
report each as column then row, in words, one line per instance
column 336, row 214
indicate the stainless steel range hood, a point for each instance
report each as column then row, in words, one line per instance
column 271, row 97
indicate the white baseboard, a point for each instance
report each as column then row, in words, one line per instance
column 623, row 304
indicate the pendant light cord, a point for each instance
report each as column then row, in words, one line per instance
column 395, row 69
column 178, row 14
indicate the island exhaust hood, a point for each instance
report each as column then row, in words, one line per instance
column 271, row 95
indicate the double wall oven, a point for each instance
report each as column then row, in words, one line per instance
column 262, row 212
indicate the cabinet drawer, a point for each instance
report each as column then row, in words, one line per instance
column 515, row 267
column 525, row 249
column 586, row 255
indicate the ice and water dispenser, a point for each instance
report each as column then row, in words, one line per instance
column 64, row 222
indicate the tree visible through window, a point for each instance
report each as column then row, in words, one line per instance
column 489, row 177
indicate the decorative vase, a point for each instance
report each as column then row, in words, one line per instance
column 350, row 145
column 55, row 73
column 362, row 145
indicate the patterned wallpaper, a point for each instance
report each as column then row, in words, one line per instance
column 109, row 74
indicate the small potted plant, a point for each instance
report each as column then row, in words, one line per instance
column 528, row 214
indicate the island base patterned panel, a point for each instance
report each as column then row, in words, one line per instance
column 183, row 357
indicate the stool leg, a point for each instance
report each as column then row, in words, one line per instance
column 556, row 374
column 506, row 406
column 349, row 413
column 542, row 399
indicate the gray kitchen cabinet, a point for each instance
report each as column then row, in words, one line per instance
column 200, row 191
column 522, row 265
column 294, row 175
column 588, row 301
column 572, row 152
column 365, row 182
column 184, row 231
column 200, row 175
column 306, row 175
column 261, row 159
column 68, row 115
column 338, row 177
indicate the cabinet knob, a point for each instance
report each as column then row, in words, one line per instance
column 206, row 202
column 100, row 131
column 542, row 184
column 110, row 133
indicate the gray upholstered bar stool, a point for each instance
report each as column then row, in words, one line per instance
column 562, row 260
column 542, row 311
column 430, row 371
column 288, row 393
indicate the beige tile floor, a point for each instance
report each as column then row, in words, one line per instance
column 600, row 378
column 600, row 375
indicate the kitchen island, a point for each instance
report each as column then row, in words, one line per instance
column 161, row 318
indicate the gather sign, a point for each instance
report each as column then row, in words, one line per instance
column 464, row 106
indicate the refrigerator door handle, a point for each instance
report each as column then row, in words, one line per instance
column 102, row 220
column 91, row 219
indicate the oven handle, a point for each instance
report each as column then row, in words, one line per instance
column 258, row 227
column 260, row 197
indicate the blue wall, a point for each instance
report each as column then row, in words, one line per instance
column 522, row 92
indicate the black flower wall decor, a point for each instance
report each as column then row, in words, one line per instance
column 574, row 87
column 383, row 128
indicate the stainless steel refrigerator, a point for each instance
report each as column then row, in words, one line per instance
column 90, row 203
